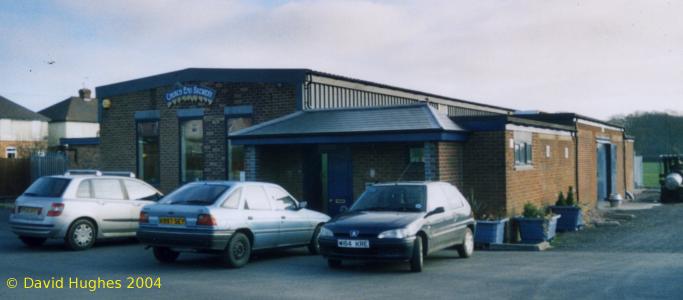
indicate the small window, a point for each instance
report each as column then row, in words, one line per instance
column 139, row 191
column 11, row 152
column 280, row 199
column 84, row 190
column 547, row 150
column 109, row 189
column 523, row 153
column 566, row 152
column 233, row 200
column 255, row 198
column 417, row 155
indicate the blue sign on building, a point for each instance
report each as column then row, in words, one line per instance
column 193, row 93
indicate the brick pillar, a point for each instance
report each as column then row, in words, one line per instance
column 250, row 162
column 430, row 160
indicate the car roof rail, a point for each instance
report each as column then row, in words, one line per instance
column 118, row 173
column 83, row 172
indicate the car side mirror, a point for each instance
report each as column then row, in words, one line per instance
column 303, row 204
column 436, row 211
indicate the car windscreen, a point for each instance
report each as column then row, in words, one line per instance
column 196, row 194
column 407, row 198
column 47, row 187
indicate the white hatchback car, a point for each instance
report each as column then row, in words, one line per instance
column 81, row 207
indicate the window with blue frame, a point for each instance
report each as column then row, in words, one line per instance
column 236, row 152
column 191, row 150
column 236, row 118
column 148, row 161
column 523, row 153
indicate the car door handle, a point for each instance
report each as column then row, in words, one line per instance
column 250, row 218
column 283, row 217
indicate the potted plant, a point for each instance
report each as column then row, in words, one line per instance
column 572, row 218
column 490, row 227
column 535, row 225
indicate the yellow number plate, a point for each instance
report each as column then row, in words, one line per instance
column 171, row 221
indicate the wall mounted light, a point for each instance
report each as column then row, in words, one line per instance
column 106, row 104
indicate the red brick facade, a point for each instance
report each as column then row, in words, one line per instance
column 548, row 175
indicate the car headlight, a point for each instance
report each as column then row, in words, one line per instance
column 394, row 234
column 324, row 232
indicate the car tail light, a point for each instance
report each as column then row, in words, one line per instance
column 144, row 218
column 55, row 210
column 206, row 219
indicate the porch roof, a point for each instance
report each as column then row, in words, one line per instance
column 419, row 122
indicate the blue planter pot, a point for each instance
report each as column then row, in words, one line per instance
column 534, row 231
column 571, row 220
column 490, row 232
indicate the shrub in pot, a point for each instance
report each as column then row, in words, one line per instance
column 568, row 208
column 490, row 227
column 535, row 225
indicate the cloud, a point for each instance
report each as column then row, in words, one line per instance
column 597, row 58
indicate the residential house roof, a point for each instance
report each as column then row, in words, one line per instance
column 72, row 109
column 14, row 111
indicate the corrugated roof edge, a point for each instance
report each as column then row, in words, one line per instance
column 340, row 77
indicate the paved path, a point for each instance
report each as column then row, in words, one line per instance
column 642, row 259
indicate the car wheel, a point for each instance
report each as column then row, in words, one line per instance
column 417, row 260
column 314, row 246
column 165, row 254
column 81, row 235
column 32, row 241
column 238, row 251
column 334, row 263
column 466, row 249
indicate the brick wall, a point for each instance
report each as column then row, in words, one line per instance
column 587, row 161
column 451, row 163
column 84, row 156
column 483, row 183
column 24, row 148
column 545, row 178
column 118, row 134
column 282, row 164
column 388, row 161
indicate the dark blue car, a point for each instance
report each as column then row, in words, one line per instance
column 400, row 222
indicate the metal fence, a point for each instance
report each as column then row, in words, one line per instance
column 46, row 164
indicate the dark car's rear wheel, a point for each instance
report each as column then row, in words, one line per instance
column 334, row 263
column 165, row 254
column 466, row 249
column 314, row 246
column 32, row 241
column 238, row 251
column 81, row 235
column 417, row 260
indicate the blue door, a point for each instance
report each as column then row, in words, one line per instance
column 339, row 181
column 602, row 171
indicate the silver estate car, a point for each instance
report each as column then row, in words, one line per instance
column 230, row 219
column 80, row 207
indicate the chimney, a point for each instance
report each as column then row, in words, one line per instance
column 84, row 94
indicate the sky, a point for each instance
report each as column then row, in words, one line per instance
column 598, row 58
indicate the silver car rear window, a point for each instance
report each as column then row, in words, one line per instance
column 47, row 187
column 196, row 194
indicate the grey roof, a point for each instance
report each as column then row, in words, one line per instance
column 14, row 111
column 72, row 109
column 408, row 118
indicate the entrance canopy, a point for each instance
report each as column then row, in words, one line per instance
column 409, row 123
